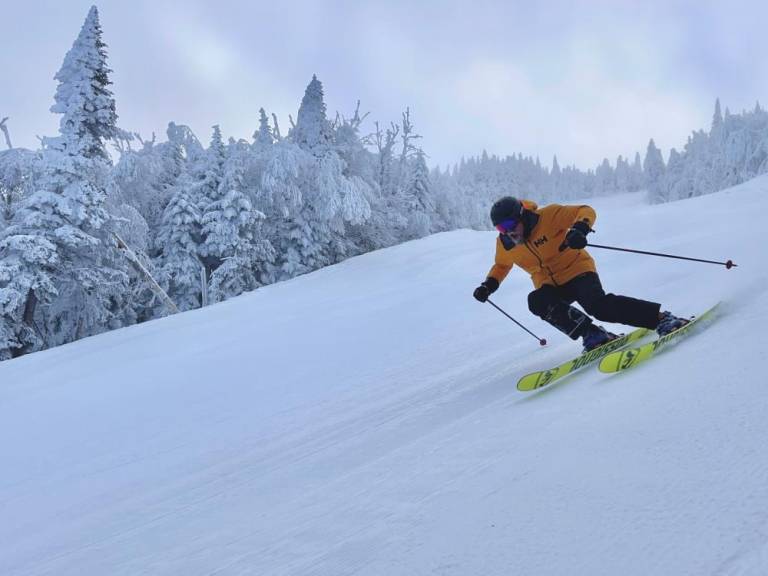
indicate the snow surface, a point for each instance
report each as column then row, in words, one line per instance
column 363, row 419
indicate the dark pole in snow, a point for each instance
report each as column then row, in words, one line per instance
column 728, row 264
column 542, row 341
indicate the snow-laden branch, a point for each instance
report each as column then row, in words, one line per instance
column 4, row 128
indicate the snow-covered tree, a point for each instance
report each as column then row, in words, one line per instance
column 58, row 255
column 237, row 251
column 422, row 216
column 208, row 172
column 312, row 131
column 636, row 174
column 329, row 198
column 207, row 192
column 230, row 218
column 263, row 137
column 386, row 139
column 556, row 176
column 604, row 178
column 279, row 196
column 17, row 180
column 622, row 175
column 180, row 238
column 676, row 186
column 734, row 150
column 6, row 132
column 653, row 168
column 83, row 97
column 717, row 116
column 146, row 178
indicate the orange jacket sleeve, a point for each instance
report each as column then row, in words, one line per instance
column 567, row 215
column 499, row 271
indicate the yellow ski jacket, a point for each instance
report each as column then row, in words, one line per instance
column 540, row 254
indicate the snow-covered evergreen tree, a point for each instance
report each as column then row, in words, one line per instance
column 422, row 216
column 717, row 116
column 207, row 192
column 556, row 184
column 312, row 131
column 280, row 197
column 70, row 279
column 83, row 97
column 191, row 180
column 209, row 171
column 621, row 175
column 362, row 204
column 675, row 185
column 329, row 199
column 636, row 174
column 653, row 168
column 263, row 137
column 146, row 179
column 180, row 238
column 604, row 179
column 234, row 245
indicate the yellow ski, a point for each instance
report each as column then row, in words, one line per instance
column 542, row 378
column 625, row 359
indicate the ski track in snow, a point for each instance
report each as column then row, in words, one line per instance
column 363, row 419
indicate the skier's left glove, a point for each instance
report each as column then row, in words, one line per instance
column 576, row 238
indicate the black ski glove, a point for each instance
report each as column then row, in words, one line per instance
column 485, row 289
column 576, row 237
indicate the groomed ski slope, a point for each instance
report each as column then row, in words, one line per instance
column 364, row 419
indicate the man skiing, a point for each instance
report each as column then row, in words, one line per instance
column 549, row 243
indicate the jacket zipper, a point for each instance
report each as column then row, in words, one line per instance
column 541, row 263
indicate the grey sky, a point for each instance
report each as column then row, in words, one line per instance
column 583, row 80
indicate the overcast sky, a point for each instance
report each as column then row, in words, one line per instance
column 582, row 80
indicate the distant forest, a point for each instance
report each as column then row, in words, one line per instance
column 101, row 228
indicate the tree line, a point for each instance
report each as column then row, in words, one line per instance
column 94, row 238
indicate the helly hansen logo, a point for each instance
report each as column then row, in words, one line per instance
column 539, row 241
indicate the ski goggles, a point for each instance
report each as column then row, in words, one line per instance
column 507, row 225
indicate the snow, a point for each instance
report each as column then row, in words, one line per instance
column 363, row 419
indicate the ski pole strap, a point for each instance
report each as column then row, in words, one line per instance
column 728, row 264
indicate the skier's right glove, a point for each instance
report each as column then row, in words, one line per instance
column 485, row 289
column 576, row 237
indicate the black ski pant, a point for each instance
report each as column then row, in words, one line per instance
column 553, row 304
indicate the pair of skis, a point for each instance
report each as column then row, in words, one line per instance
column 614, row 356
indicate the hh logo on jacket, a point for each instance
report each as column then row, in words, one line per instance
column 539, row 241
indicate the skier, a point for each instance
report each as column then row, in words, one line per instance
column 549, row 243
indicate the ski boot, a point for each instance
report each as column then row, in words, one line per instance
column 596, row 336
column 669, row 323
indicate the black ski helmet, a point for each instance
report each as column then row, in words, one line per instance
column 506, row 208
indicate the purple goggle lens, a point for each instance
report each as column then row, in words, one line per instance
column 507, row 225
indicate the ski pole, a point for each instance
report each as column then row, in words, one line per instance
column 728, row 264
column 542, row 341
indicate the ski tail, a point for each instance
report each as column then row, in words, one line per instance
column 625, row 359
